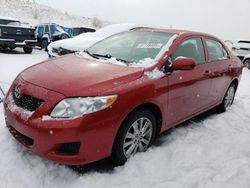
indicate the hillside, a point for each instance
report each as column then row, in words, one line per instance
column 27, row 11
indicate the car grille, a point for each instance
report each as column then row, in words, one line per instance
column 27, row 102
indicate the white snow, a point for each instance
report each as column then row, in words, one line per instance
column 27, row 11
column 24, row 114
column 208, row 152
column 144, row 63
column 247, row 56
column 156, row 73
column 166, row 47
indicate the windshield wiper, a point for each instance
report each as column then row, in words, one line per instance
column 107, row 56
column 92, row 55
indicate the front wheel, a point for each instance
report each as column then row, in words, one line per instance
column 247, row 63
column 135, row 135
column 228, row 98
column 27, row 50
column 64, row 37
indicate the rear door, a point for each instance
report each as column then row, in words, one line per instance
column 189, row 90
column 221, row 66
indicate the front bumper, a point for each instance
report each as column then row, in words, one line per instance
column 14, row 43
column 94, row 134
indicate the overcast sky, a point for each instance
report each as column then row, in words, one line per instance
column 224, row 18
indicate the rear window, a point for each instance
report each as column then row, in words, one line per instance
column 216, row 50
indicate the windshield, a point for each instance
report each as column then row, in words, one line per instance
column 131, row 47
column 60, row 29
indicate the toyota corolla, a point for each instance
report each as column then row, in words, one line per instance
column 115, row 98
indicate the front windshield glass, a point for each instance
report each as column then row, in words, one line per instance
column 60, row 29
column 131, row 47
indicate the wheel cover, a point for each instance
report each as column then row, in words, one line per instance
column 138, row 137
column 229, row 96
column 247, row 63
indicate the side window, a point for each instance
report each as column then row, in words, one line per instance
column 46, row 29
column 215, row 50
column 191, row 48
column 40, row 30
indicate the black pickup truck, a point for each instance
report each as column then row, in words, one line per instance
column 13, row 34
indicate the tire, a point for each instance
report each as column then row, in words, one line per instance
column 228, row 98
column 247, row 63
column 44, row 45
column 64, row 37
column 132, row 137
column 27, row 50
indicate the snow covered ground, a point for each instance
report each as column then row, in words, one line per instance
column 27, row 11
column 211, row 151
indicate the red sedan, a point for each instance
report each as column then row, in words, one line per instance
column 116, row 97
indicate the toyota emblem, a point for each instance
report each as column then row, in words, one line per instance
column 17, row 92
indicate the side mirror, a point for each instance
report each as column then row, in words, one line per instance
column 183, row 64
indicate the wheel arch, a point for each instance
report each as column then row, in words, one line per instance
column 233, row 81
column 247, row 58
column 154, row 108
column 236, row 82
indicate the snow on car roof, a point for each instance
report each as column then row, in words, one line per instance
column 8, row 18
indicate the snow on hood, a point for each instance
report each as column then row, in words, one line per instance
column 74, row 44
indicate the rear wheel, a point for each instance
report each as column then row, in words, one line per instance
column 135, row 135
column 247, row 63
column 27, row 50
column 228, row 98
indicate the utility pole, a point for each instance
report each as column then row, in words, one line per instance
column 36, row 10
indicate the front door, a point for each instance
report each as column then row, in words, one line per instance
column 189, row 91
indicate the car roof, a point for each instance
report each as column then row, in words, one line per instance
column 174, row 31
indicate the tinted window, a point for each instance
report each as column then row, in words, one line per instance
column 216, row 50
column 40, row 30
column 191, row 48
column 46, row 29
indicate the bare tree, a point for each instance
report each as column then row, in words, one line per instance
column 96, row 22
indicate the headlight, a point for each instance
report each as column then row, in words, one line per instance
column 76, row 107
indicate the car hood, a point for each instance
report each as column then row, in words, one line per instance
column 75, row 44
column 73, row 75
